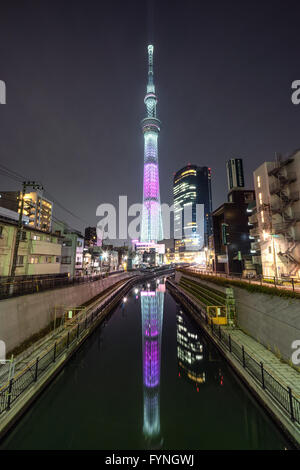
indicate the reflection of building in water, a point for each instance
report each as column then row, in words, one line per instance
column 152, row 305
column 189, row 352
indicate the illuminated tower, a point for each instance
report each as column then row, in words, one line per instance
column 151, row 230
column 152, row 306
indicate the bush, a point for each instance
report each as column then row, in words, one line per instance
column 222, row 281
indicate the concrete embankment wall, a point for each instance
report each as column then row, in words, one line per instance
column 21, row 317
column 272, row 320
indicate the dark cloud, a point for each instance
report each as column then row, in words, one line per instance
column 76, row 79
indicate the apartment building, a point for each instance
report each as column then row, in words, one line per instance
column 254, row 237
column 38, row 254
column 72, row 249
column 36, row 207
column 276, row 225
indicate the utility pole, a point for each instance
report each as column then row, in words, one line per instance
column 20, row 228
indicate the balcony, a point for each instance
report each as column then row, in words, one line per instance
column 43, row 268
column 287, row 222
column 39, row 247
column 254, row 232
column 279, row 166
column 256, row 259
column 286, row 199
column 282, row 182
column 253, row 219
column 255, row 246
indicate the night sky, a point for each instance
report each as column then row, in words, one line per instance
column 76, row 78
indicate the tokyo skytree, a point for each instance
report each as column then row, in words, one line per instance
column 151, row 230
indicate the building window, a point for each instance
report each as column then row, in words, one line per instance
column 66, row 260
column 67, row 243
column 258, row 182
column 36, row 237
column 57, row 259
column 33, row 259
column 24, row 236
column 48, row 259
column 262, row 217
column 20, row 260
column 260, row 198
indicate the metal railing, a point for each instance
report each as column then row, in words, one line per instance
column 23, row 285
column 258, row 279
column 17, row 385
column 281, row 394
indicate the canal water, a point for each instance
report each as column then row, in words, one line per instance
column 147, row 378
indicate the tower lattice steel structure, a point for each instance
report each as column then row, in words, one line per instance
column 151, row 230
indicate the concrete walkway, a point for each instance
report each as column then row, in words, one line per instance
column 283, row 372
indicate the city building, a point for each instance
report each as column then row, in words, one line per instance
column 277, row 228
column 147, row 250
column 90, row 236
column 254, row 237
column 151, row 227
column 192, row 186
column 98, row 259
column 37, row 208
column 72, row 249
column 231, row 243
column 39, row 252
column 235, row 173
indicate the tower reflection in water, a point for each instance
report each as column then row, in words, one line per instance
column 152, row 307
column 189, row 352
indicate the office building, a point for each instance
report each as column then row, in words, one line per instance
column 192, row 208
column 231, row 243
column 235, row 173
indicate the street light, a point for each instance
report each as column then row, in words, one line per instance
column 206, row 250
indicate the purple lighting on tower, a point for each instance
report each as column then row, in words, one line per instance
column 151, row 230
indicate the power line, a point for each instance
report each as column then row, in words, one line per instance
column 12, row 173
column 5, row 171
column 64, row 208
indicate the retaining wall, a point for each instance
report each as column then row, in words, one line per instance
column 272, row 320
column 23, row 316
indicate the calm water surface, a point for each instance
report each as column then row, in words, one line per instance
column 146, row 379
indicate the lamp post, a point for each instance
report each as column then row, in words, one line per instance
column 274, row 256
column 205, row 250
